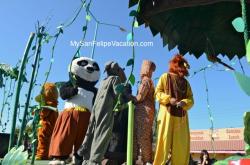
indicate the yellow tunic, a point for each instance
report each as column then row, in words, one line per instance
column 172, row 132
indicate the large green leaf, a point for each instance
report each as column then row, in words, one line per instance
column 238, row 24
column 7, row 70
column 16, row 156
column 132, row 79
column 195, row 26
column 243, row 81
column 130, row 62
column 247, row 131
column 248, row 51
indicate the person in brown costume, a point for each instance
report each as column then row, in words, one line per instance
column 144, row 113
column 48, row 117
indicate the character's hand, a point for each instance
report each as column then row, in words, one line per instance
column 132, row 98
column 181, row 104
column 173, row 101
column 67, row 91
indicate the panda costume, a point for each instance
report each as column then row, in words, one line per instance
column 72, row 123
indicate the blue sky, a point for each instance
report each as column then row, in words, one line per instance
column 227, row 101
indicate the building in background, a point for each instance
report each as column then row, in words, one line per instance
column 227, row 142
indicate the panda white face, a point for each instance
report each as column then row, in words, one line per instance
column 86, row 68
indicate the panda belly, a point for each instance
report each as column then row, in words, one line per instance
column 84, row 99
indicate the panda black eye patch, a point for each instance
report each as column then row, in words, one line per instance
column 82, row 63
column 96, row 67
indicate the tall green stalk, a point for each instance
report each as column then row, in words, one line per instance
column 37, row 54
column 131, row 109
column 18, row 89
column 93, row 49
column 130, row 104
column 246, row 18
column 34, row 130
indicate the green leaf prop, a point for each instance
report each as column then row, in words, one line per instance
column 136, row 24
column 15, row 156
column 7, row 71
column 247, row 131
column 130, row 62
column 84, row 28
column 243, row 81
column 120, row 88
column 238, row 24
column 129, row 37
column 132, row 79
column 234, row 158
column 248, row 51
column 133, row 13
column 1, row 80
column 88, row 17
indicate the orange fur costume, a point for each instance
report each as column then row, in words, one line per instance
column 48, row 119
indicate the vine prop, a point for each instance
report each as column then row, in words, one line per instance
column 18, row 88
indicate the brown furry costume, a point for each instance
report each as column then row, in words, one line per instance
column 48, row 118
column 144, row 113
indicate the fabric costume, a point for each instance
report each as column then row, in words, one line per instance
column 72, row 123
column 117, row 148
column 48, row 118
column 144, row 113
column 102, row 118
column 172, row 123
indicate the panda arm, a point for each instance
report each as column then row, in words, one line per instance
column 67, row 91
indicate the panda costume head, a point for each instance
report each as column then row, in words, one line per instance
column 80, row 91
column 85, row 71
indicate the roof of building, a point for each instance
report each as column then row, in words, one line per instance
column 220, row 146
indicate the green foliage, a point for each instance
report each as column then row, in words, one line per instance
column 7, row 71
column 130, row 62
column 120, row 88
column 88, row 17
column 136, row 24
column 247, row 131
column 60, row 29
column 243, row 82
column 16, row 156
column 129, row 37
column 132, row 79
column 133, row 13
column 225, row 161
column 84, row 28
column 248, row 51
column 238, row 24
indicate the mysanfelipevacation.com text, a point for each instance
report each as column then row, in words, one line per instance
column 111, row 43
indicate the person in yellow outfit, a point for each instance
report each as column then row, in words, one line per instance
column 175, row 97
